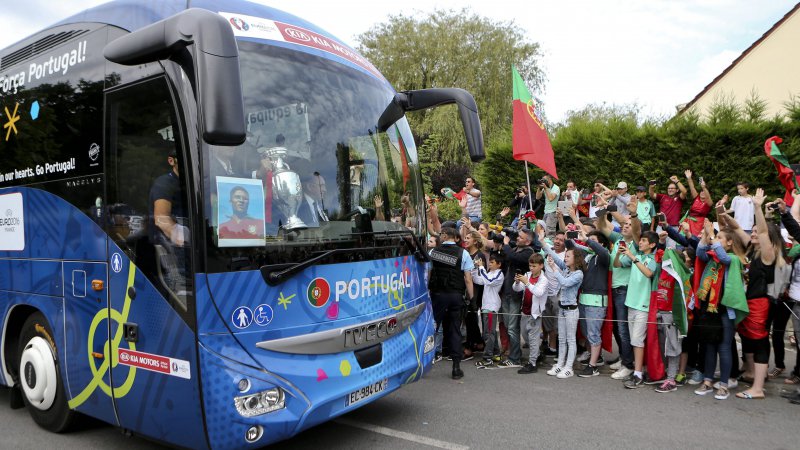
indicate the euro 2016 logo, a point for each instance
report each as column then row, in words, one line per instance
column 318, row 292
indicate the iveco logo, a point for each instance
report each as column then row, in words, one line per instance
column 354, row 337
column 297, row 34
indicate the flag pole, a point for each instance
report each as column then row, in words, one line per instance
column 530, row 193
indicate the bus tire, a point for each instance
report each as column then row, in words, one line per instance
column 39, row 377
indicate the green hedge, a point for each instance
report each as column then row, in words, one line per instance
column 616, row 147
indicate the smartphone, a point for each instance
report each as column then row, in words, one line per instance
column 700, row 179
column 517, row 272
column 622, row 244
column 572, row 235
column 662, row 218
column 774, row 206
column 653, row 182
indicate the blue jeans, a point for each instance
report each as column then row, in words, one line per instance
column 489, row 322
column 723, row 348
column 621, row 332
column 511, row 307
column 592, row 319
column 567, row 327
column 471, row 219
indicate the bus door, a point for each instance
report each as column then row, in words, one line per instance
column 87, row 353
column 155, row 378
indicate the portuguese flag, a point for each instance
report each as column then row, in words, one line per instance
column 786, row 175
column 530, row 141
column 673, row 265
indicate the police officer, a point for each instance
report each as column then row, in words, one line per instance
column 450, row 279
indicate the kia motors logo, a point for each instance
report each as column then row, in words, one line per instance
column 124, row 357
column 297, row 34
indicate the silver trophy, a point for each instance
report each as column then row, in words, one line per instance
column 286, row 187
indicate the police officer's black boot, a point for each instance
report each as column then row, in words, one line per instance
column 457, row 372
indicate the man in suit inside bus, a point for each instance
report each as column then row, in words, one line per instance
column 312, row 208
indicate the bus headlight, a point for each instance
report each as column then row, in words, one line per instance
column 429, row 344
column 260, row 402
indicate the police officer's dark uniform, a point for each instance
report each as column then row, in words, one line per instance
column 448, row 287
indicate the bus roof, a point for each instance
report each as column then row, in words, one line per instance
column 132, row 15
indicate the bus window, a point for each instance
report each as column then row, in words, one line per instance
column 149, row 214
column 312, row 161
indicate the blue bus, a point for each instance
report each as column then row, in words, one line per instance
column 211, row 223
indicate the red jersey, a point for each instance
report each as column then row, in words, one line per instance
column 247, row 228
column 527, row 297
column 671, row 207
column 666, row 291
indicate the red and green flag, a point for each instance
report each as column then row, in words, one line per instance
column 529, row 139
column 786, row 174
column 673, row 265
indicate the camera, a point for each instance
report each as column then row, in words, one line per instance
column 518, row 191
column 572, row 235
column 774, row 206
column 541, row 181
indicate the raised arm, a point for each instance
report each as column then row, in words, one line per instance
column 680, row 185
column 767, row 250
column 704, row 187
column 690, row 182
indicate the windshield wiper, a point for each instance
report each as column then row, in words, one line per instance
column 275, row 275
column 416, row 247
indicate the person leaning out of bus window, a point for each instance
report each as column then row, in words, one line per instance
column 167, row 207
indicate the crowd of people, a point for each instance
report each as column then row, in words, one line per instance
column 604, row 264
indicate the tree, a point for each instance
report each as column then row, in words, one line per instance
column 454, row 49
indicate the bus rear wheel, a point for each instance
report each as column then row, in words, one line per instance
column 39, row 377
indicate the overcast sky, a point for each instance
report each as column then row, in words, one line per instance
column 656, row 53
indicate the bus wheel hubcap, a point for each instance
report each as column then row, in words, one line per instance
column 37, row 369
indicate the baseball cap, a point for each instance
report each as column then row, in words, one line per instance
column 622, row 185
column 641, row 188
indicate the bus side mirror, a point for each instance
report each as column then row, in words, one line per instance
column 213, row 67
column 429, row 98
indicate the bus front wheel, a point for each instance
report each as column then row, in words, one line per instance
column 39, row 377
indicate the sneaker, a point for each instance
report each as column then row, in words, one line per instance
column 634, row 382
column 622, row 374
column 680, row 380
column 668, row 386
column 550, row 352
column 703, row 389
column 589, row 371
column 437, row 358
column 527, row 368
column 468, row 357
column 696, row 378
column 794, row 379
column 775, row 373
column 651, row 381
column 584, row 357
column 554, row 371
column 616, row 366
column 457, row 373
column 507, row 364
column 496, row 358
column 600, row 361
column 566, row 373
column 721, row 393
column 732, row 384
column 540, row 359
column 485, row 364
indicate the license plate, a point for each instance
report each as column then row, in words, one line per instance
column 366, row 392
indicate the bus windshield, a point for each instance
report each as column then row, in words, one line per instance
column 313, row 166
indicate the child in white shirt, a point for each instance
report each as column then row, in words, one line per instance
column 534, row 284
column 492, row 282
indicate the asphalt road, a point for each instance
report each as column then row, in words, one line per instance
column 501, row 409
